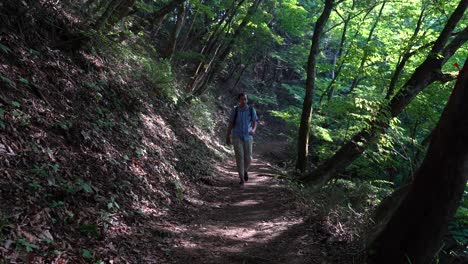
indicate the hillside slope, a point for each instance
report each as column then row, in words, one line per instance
column 92, row 156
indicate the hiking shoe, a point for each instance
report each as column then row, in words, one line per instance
column 246, row 176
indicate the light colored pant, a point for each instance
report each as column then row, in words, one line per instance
column 243, row 150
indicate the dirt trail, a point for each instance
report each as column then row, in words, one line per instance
column 259, row 223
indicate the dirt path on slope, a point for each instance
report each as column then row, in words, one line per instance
column 260, row 223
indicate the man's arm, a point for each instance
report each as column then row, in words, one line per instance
column 228, row 133
column 254, row 127
column 254, row 122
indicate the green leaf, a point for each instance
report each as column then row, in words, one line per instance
column 15, row 104
column 29, row 247
column 90, row 230
column 4, row 49
column 8, row 82
column 87, row 254
column 57, row 204
column 87, row 188
column 24, row 81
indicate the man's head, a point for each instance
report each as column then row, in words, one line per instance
column 242, row 99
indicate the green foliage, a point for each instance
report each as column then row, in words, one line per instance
column 263, row 99
column 295, row 91
column 293, row 18
column 45, row 168
column 55, row 204
column 290, row 115
column 4, row 49
column 7, row 81
column 65, row 125
column 145, row 7
column 179, row 189
column 79, row 185
column 87, row 254
column 201, row 113
column 458, row 227
column 357, row 194
column 24, row 81
column 113, row 205
column 91, row 230
column 2, row 118
column 160, row 75
column 22, row 243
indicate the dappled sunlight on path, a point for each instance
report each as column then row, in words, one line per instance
column 253, row 224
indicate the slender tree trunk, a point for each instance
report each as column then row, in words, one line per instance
column 341, row 57
column 181, row 15
column 241, row 73
column 158, row 17
column 303, row 138
column 357, row 77
column 428, row 72
column 189, row 31
column 405, row 57
column 212, row 42
column 415, row 231
column 211, row 69
column 163, row 11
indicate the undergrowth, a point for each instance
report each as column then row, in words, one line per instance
column 345, row 204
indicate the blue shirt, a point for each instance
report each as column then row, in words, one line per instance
column 243, row 124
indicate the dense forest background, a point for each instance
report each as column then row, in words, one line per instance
column 112, row 111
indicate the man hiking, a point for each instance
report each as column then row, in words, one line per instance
column 243, row 120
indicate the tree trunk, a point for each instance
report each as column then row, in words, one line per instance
column 200, row 80
column 428, row 72
column 303, row 138
column 181, row 15
column 189, row 31
column 212, row 46
column 241, row 74
column 120, row 12
column 415, row 230
column 115, row 11
column 158, row 17
column 102, row 20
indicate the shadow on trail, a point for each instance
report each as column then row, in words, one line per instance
column 255, row 224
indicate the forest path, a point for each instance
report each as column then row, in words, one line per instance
column 259, row 223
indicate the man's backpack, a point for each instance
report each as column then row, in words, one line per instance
column 236, row 109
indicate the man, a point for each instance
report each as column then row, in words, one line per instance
column 243, row 120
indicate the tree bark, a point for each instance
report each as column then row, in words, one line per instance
column 304, row 129
column 415, row 230
column 200, row 80
column 181, row 15
column 115, row 11
column 212, row 47
column 428, row 72
column 102, row 20
column 158, row 17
